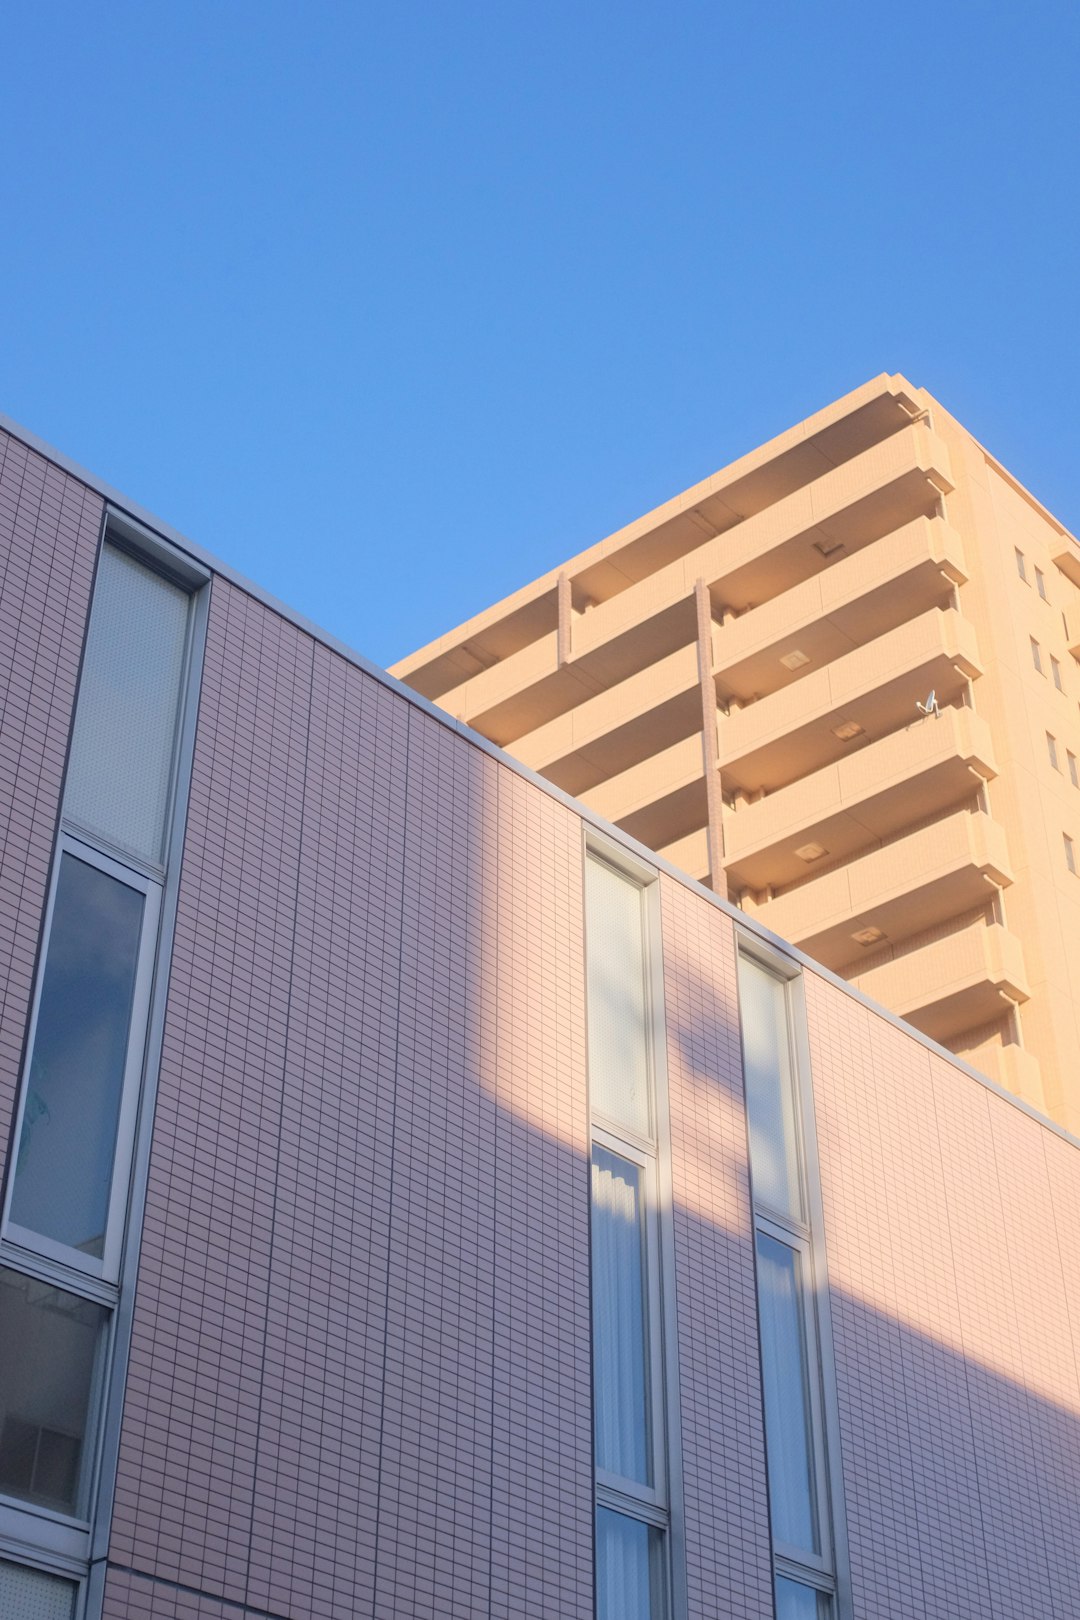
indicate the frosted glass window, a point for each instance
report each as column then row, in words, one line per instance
column 628, row 1568
column 49, row 1341
column 31, row 1594
column 618, row 1004
column 787, row 1403
column 120, row 773
column 64, row 1165
column 770, row 1089
column 620, row 1346
column 797, row 1602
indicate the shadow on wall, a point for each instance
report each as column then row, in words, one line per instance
column 360, row 1376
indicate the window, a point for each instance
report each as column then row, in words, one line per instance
column 1056, row 667
column 1040, row 583
column 787, row 1322
column 1051, row 749
column 1070, row 854
column 62, row 1234
column 49, row 1352
column 629, row 1420
column 86, row 1053
column 1036, row 655
column 1021, row 565
column 1074, row 777
column 31, row 1594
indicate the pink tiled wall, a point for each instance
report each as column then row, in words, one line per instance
column 49, row 527
column 954, row 1264
column 360, row 1367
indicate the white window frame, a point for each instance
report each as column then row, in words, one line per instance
column 613, row 1490
column 107, row 1269
column 825, row 1574
column 658, row 1506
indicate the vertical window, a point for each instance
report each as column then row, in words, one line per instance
column 1036, row 655
column 787, row 1319
column 120, row 774
column 1070, row 854
column 74, row 1134
column 1056, row 668
column 1021, row 565
column 1051, row 749
column 1040, row 584
column 84, row 1050
column 632, row 1512
column 1074, row 778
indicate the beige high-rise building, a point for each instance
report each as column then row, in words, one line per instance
column 838, row 681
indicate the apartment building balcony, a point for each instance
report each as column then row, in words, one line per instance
column 851, row 804
column 1015, row 1069
column 912, row 884
column 646, row 549
column 508, row 693
column 952, row 984
column 861, row 598
column 619, row 727
column 874, row 689
column 659, row 800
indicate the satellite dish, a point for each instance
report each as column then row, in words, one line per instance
column 931, row 706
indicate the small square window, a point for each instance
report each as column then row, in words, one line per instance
column 1021, row 566
column 1056, row 667
column 1036, row 655
column 1074, row 777
column 1070, row 854
column 1051, row 749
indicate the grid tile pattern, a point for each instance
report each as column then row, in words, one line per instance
column 49, row 527
column 360, row 1365
column 955, row 1296
column 728, row 1557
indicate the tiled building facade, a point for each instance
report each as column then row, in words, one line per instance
column 369, row 1335
column 838, row 682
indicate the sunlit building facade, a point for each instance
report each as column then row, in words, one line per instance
column 421, row 1199
column 837, row 682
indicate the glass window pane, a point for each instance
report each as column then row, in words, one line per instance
column 64, row 1166
column 125, row 722
column 620, row 1354
column 618, row 1007
column 770, row 1090
column 48, row 1347
column 787, row 1407
column 31, row 1594
column 797, row 1602
column 629, row 1568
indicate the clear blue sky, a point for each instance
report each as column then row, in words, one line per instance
column 395, row 306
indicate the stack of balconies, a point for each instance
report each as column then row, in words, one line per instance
column 804, row 635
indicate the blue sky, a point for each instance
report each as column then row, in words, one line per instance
column 394, row 307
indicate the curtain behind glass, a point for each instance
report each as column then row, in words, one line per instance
column 770, row 1093
column 618, row 1007
column 625, row 1568
column 797, row 1602
column 620, row 1359
column 120, row 772
column 787, row 1414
